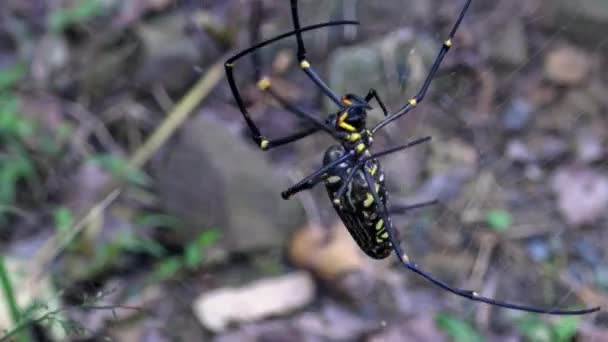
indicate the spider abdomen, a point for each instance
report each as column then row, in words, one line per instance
column 356, row 207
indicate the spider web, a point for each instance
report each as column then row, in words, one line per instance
column 499, row 229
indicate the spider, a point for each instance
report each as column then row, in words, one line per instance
column 351, row 173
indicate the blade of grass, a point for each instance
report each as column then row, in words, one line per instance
column 11, row 302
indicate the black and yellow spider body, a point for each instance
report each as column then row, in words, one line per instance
column 346, row 185
column 351, row 173
column 356, row 206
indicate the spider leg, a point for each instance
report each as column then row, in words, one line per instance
column 373, row 94
column 304, row 64
column 402, row 209
column 319, row 123
column 272, row 143
column 265, row 85
column 314, row 178
column 399, row 148
column 404, row 259
column 229, row 67
column 447, row 44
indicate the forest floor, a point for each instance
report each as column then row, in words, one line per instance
column 135, row 207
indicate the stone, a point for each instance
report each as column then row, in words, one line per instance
column 582, row 19
column 582, row 194
column 510, row 45
column 567, row 65
column 589, row 144
column 517, row 115
column 393, row 66
column 166, row 46
column 217, row 309
column 211, row 178
column 327, row 257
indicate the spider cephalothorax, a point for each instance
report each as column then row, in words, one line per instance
column 352, row 174
column 354, row 117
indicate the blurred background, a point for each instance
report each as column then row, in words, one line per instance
column 134, row 206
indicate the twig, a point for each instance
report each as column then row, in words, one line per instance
column 53, row 247
column 487, row 244
column 178, row 115
column 584, row 292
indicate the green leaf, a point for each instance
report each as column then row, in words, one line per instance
column 193, row 255
column 157, row 221
column 120, row 169
column 565, row 328
column 79, row 13
column 10, row 76
column 499, row 220
column 535, row 329
column 457, row 329
column 207, row 238
column 63, row 219
column 168, row 268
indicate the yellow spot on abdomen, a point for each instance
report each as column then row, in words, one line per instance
column 448, row 43
column 264, row 83
column 368, row 200
column 334, row 179
column 379, row 224
column 354, row 137
column 360, row 148
column 373, row 169
column 413, row 101
column 304, row 64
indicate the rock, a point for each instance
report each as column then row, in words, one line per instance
column 510, row 45
column 212, row 179
column 399, row 61
column 537, row 148
column 548, row 148
column 453, row 157
column 582, row 194
column 366, row 12
column 584, row 18
column 517, row 115
column 568, row 112
column 334, row 323
column 217, row 309
column 420, row 328
column 589, row 144
column 50, row 59
column 331, row 323
column 538, row 250
column 327, row 257
column 518, row 151
column 567, row 65
column 167, row 47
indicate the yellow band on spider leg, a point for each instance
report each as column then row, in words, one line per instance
column 264, row 144
column 304, row 64
column 360, row 148
column 264, row 83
